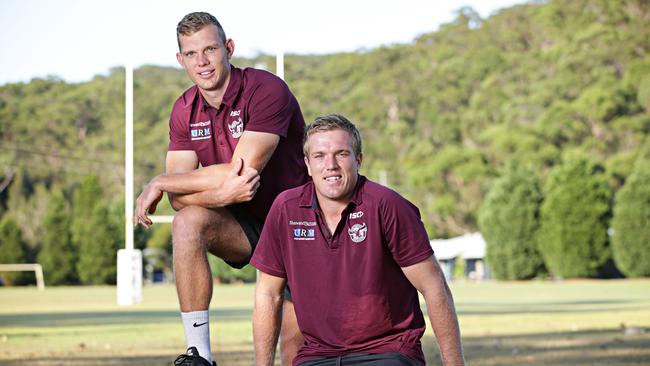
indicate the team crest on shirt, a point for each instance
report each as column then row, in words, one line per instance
column 358, row 232
column 236, row 128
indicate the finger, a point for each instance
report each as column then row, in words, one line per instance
column 255, row 180
column 249, row 174
column 237, row 167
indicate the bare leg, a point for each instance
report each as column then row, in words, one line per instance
column 290, row 337
column 197, row 230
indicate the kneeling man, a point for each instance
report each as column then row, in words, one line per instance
column 355, row 254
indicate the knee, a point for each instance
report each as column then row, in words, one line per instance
column 186, row 226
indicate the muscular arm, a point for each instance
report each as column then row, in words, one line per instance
column 267, row 313
column 427, row 277
column 212, row 186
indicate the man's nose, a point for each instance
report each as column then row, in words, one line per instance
column 202, row 59
column 330, row 162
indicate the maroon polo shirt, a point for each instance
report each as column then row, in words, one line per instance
column 349, row 291
column 255, row 100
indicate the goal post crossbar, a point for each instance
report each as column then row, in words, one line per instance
column 37, row 268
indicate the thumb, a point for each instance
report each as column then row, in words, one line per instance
column 237, row 167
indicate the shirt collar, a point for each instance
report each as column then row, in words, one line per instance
column 308, row 196
column 234, row 86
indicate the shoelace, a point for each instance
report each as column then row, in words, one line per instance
column 180, row 360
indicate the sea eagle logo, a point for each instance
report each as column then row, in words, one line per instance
column 236, row 128
column 358, row 232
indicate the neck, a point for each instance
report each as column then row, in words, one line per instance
column 214, row 97
column 331, row 208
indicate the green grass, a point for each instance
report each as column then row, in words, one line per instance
column 519, row 323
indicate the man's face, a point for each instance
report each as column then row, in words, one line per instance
column 332, row 165
column 205, row 58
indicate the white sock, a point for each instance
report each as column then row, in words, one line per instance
column 197, row 332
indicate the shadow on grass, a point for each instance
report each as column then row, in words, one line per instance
column 581, row 348
column 606, row 347
column 238, row 358
column 117, row 317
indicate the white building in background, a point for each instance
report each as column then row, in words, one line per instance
column 468, row 247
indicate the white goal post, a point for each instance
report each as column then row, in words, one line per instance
column 37, row 268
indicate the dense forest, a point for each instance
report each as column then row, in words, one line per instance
column 551, row 95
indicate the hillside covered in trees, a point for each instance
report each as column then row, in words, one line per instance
column 553, row 93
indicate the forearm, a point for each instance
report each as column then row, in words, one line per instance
column 444, row 321
column 266, row 327
column 198, row 180
column 209, row 199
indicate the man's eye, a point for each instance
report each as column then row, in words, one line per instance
column 211, row 49
column 189, row 54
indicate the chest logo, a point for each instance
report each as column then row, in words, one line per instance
column 303, row 234
column 358, row 232
column 356, row 215
column 200, row 131
column 236, row 128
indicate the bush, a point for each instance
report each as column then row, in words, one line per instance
column 631, row 222
column 58, row 255
column 509, row 221
column 12, row 250
column 574, row 218
column 98, row 254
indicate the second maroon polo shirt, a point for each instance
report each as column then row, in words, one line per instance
column 349, row 291
column 255, row 100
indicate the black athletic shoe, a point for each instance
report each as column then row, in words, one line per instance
column 192, row 358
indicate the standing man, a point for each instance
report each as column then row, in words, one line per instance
column 244, row 127
column 355, row 255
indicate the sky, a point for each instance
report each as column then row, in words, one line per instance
column 78, row 39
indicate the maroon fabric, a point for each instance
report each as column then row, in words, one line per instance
column 349, row 291
column 255, row 100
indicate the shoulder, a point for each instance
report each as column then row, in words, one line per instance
column 386, row 198
column 290, row 198
column 185, row 100
column 257, row 81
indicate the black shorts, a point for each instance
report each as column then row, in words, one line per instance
column 380, row 359
column 252, row 227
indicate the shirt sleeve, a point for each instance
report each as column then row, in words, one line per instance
column 271, row 107
column 268, row 256
column 179, row 138
column 404, row 231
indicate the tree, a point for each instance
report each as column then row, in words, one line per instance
column 94, row 233
column 83, row 204
column 12, row 250
column 508, row 221
column 574, row 218
column 98, row 254
column 631, row 222
column 58, row 255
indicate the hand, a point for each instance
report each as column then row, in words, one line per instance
column 146, row 204
column 240, row 185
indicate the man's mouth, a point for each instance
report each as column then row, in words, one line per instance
column 206, row 73
column 333, row 178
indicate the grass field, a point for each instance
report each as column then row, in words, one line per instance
column 531, row 323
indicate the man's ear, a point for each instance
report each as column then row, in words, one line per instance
column 307, row 164
column 230, row 48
